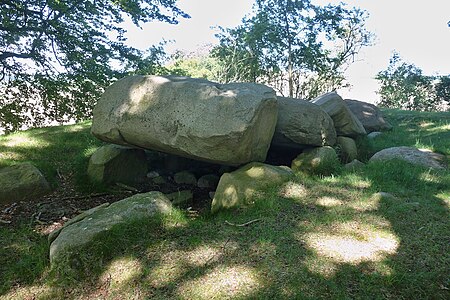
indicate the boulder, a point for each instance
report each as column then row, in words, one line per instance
column 369, row 115
column 345, row 122
column 181, row 198
column 208, row 181
column 421, row 157
column 229, row 124
column 302, row 123
column 374, row 134
column 185, row 177
column 240, row 187
column 22, row 181
column 114, row 163
column 316, row 160
column 83, row 229
column 354, row 165
column 347, row 147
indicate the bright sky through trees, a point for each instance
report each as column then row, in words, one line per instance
column 417, row 30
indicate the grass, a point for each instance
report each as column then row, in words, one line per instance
column 64, row 149
column 323, row 237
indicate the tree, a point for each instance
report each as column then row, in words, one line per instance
column 403, row 85
column 296, row 47
column 443, row 89
column 60, row 54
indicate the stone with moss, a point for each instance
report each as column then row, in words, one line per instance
column 347, row 149
column 181, row 198
column 82, row 231
column 22, row 181
column 321, row 160
column 115, row 163
column 242, row 186
column 185, row 177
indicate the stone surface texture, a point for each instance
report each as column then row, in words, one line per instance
column 315, row 159
column 369, row 115
column 84, row 228
column 345, row 122
column 229, row 124
column 22, row 181
column 114, row 163
column 302, row 123
column 240, row 187
column 421, row 157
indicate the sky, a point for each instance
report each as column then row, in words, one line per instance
column 417, row 30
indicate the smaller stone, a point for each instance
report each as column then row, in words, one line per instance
column 208, row 181
column 181, row 198
column 239, row 188
column 114, row 163
column 354, row 165
column 320, row 160
column 348, row 150
column 185, row 177
column 20, row 182
column 159, row 180
column 211, row 195
column 152, row 174
column 84, row 229
column 420, row 157
column 374, row 134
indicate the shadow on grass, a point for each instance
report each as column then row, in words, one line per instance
column 64, row 149
column 319, row 239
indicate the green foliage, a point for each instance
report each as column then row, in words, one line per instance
column 299, row 49
column 403, row 85
column 56, row 57
column 199, row 64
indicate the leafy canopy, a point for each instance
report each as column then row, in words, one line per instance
column 403, row 85
column 298, row 48
column 59, row 55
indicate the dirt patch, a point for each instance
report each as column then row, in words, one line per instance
column 50, row 212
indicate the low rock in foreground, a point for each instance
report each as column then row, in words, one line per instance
column 21, row 181
column 83, row 229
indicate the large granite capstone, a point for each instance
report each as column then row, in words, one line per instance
column 230, row 124
column 302, row 123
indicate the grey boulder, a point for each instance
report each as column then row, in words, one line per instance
column 241, row 187
column 420, row 157
column 316, row 160
column 84, row 228
column 228, row 124
column 22, row 181
column 369, row 115
column 302, row 123
column 114, row 163
column 345, row 122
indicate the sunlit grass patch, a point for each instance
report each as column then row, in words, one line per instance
column 222, row 282
column 348, row 249
column 121, row 272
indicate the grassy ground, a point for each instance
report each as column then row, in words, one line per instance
column 316, row 238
